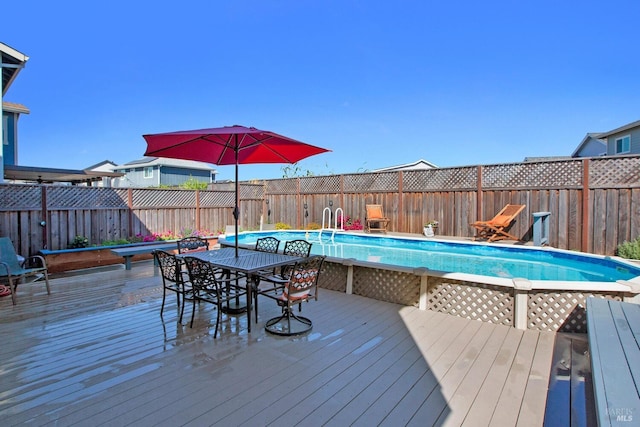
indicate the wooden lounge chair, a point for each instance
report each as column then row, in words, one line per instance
column 495, row 228
column 375, row 219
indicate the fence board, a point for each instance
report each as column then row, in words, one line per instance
column 635, row 214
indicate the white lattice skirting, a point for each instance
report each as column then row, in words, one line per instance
column 553, row 306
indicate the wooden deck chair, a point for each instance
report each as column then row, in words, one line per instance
column 375, row 219
column 495, row 228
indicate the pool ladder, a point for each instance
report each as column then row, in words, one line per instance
column 327, row 221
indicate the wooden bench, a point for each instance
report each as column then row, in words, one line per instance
column 128, row 253
column 614, row 333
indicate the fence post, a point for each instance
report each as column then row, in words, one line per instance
column 586, row 226
column 44, row 221
column 479, row 210
column 521, row 288
column 130, row 206
column 401, row 222
column 197, row 209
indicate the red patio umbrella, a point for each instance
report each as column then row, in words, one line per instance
column 229, row 145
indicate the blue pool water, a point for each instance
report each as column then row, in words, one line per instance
column 486, row 260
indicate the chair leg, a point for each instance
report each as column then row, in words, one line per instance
column 193, row 312
column 13, row 290
column 184, row 302
column 46, row 281
column 164, row 295
column 218, row 319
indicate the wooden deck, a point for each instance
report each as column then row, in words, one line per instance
column 97, row 352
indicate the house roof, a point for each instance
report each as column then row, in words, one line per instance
column 591, row 136
column 109, row 163
column 12, row 62
column 621, row 129
column 163, row 161
column 12, row 107
column 51, row 175
column 420, row 164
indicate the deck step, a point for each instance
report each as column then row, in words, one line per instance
column 570, row 394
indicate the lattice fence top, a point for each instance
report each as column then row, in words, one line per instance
column 251, row 191
column 607, row 172
column 604, row 172
column 564, row 174
column 18, row 196
column 320, row 184
column 282, row 186
column 217, row 199
column 144, row 198
column 448, row 179
column 72, row 197
column 372, row 182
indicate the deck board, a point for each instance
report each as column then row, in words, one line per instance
column 96, row 351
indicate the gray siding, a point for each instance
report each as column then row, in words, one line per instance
column 173, row 176
column 135, row 178
column 635, row 141
column 164, row 175
column 591, row 149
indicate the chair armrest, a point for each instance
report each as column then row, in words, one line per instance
column 4, row 268
column 36, row 261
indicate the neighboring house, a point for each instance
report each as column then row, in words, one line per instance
column 11, row 62
column 105, row 166
column 591, row 146
column 162, row 172
column 420, row 164
column 10, row 115
column 623, row 140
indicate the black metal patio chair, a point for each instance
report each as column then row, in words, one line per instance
column 174, row 279
column 278, row 278
column 191, row 244
column 212, row 286
column 267, row 244
column 301, row 286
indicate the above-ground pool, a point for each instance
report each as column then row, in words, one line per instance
column 469, row 257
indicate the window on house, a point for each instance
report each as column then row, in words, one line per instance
column 623, row 144
column 148, row 172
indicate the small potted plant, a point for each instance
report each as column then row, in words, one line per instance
column 430, row 228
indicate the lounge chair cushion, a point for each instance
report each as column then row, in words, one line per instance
column 374, row 212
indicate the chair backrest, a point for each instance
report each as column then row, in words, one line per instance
column 267, row 244
column 202, row 275
column 506, row 215
column 300, row 248
column 374, row 211
column 8, row 255
column 191, row 244
column 169, row 265
column 303, row 280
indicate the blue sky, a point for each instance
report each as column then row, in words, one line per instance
column 379, row 83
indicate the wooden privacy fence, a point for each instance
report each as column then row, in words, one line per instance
column 594, row 204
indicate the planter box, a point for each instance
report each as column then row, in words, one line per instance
column 75, row 259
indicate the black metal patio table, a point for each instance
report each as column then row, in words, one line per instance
column 247, row 262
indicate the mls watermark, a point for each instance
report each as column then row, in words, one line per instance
column 620, row 414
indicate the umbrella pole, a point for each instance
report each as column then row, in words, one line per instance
column 236, row 210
